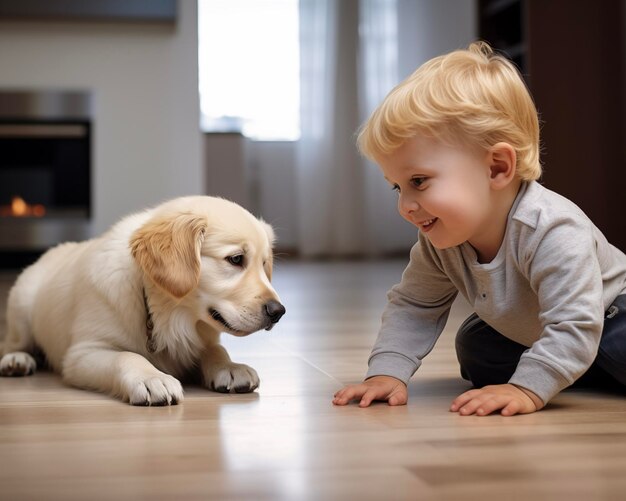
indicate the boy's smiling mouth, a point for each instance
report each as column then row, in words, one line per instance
column 427, row 225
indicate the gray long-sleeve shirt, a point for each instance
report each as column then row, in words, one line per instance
column 547, row 288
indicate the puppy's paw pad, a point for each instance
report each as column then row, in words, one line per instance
column 239, row 378
column 156, row 391
column 17, row 364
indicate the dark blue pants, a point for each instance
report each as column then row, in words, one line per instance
column 487, row 357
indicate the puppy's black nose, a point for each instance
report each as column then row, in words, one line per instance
column 274, row 310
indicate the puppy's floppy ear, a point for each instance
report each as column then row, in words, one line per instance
column 167, row 248
column 269, row 265
column 269, row 231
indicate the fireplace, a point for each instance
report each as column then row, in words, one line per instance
column 45, row 172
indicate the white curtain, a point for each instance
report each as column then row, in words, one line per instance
column 348, row 64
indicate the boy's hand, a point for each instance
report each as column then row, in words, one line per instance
column 510, row 398
column 375, row 388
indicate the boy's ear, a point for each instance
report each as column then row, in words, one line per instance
column 502, row 165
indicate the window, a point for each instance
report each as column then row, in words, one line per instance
column 249, row 63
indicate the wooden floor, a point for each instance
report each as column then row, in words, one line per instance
column 286, row 441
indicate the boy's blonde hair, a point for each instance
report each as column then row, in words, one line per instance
column 471, row 97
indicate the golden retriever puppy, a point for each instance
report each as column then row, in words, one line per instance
column 135, row 310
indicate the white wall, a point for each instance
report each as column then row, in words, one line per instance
column 146, row 144
column 273, row 178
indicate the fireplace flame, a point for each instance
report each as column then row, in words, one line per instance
column 19, row 208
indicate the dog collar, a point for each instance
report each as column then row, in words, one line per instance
column 150, row 343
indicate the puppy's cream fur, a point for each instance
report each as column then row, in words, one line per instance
column 204, row 266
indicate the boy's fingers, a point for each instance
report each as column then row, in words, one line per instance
column 468, row 409
column 367, row 398
column 372, row 393
column 396, row 400
column 367, row 394
column 398, row 397
column 509, row 406
column 345, row 395
column 488, row 406
column 512, row 408
column 472, row 406
column 461, row 400
column 340, row 397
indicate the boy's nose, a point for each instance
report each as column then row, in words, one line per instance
column 407, row 206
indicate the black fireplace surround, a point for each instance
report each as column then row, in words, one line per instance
column 45, row 171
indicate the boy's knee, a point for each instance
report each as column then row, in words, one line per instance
column 612, row 350
column 467, row 346
column 485, row 355
column 466, row 341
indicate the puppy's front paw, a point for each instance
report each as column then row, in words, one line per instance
column 239, row 378
column 160, row 389
column 17, row 364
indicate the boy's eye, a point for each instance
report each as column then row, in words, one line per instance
column 395, row 188
column 418, row 181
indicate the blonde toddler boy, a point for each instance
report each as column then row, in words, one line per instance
column 459, row 141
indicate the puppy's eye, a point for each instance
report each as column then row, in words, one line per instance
column 236, row 260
